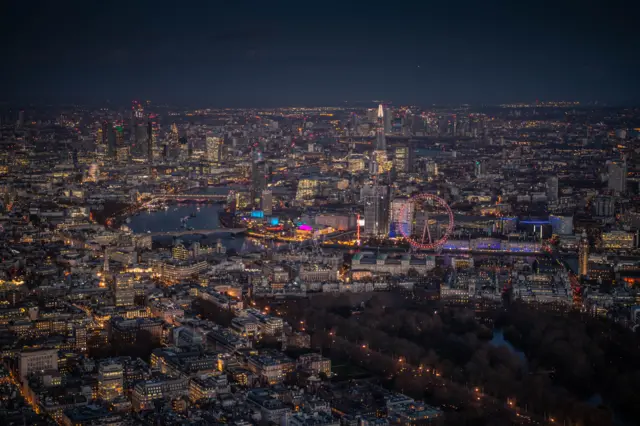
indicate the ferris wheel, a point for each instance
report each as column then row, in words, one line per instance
column 425, row 221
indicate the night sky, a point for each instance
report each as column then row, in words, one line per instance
column 278, row 53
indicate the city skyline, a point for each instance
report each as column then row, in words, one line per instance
column 249, row 54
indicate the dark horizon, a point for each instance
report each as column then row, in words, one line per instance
column 291, row 53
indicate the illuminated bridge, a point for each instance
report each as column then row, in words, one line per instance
column 183, row 232
column 214, row 197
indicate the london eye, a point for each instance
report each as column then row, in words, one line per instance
column 425, row 221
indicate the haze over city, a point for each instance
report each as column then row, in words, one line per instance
column 285, row 53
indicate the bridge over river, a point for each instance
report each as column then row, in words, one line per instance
column 180, row 233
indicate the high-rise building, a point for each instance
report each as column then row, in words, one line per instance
column 387, row 116
column 213, row 149
column 479, row 168
column 376, row 210
column 150, row 141
column 259, row 174
column 109, row 135
column 403, row 159
column 379, row 163
column 20, row 122
column 110, row 380
column 552, row 189
column 266, row 202
column 618, row 176
column 123, row 290
column 583, row 255
column 381, row 142
column 402, row 212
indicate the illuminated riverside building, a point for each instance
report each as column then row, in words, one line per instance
column 583, row 255
column 618, row 240
column 393, row 265
column 174, row 271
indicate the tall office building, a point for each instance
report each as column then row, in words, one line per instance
column 379, row 163
column 109, row 138
column 149, row 141
column 403, row 159
column 376, row 210
column 583, row 255
column 381, row 142
column 123, row 290
column 402, row 212
column 387, row 116
column 259, row 174
column 20, row 122
column 213, row 149
column 480, row 168
column 552, row 189
column 618, row 177
column 266, row 202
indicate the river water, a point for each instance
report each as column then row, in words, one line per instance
column 206, row 217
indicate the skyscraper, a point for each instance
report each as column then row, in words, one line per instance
column 381, row 142
column 213, row 149
column 479, row 168
column 111, row 141
column 123, row 290
column 552, row 189
column 618, row 176
column 266, row 202
column 583, row 255
column 258, row 179
column 403, row 159
column 376, row 210
column 149, row 141
column 378, row 163
column 402, row 212
column 386, row 115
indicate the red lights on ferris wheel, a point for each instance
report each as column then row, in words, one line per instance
column 429, row 243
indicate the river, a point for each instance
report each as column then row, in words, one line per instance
column 206, row 217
